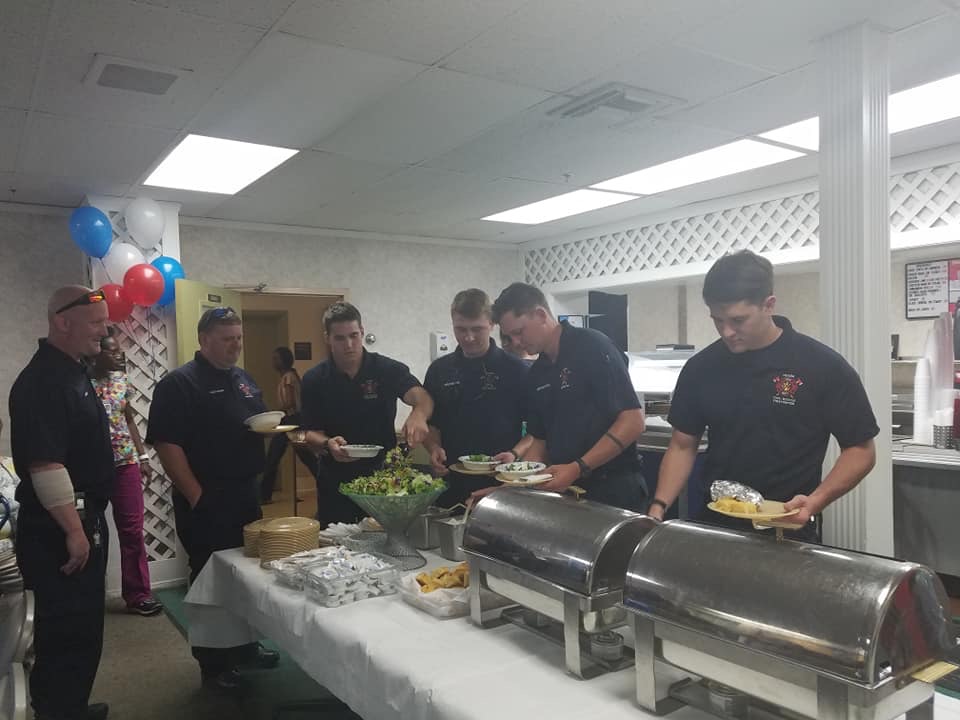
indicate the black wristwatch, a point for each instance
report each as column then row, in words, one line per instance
column 584, row 468
column 658, row 501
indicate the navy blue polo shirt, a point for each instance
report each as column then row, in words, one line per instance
column 771, row 412
column 479, row 403
column 362, row 409
column 576, row 399
column 201, row 408
column 56, row 416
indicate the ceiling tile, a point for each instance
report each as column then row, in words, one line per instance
column 22, row 29
column 679, row 72
column 192, row 204
column 292, row 92
column 764, row 106
column 258, row 13
column 90, row 150
column 575, row 152
column 559, row 44
column 431, row 114
column 60, row 191
column 81, row 28
column 293, row 192
column 11, row 132
column 924, row 53
column 781, row 36
column 422, row 31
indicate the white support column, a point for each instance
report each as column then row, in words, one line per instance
column 855, row 258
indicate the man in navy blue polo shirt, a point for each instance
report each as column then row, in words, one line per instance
column 351, row 398
column 585, row 417
column 771, row 399
column 197, row 426
column 479, row 398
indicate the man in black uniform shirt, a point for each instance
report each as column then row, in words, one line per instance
column 771, row 399
column 351, row 398
column 479, row 398
column 61, row 450
column 196, row 425
column 585, row 417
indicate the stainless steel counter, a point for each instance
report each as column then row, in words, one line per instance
column 924, row 456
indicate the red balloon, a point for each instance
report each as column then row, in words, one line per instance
column 119, row 306
column 143, row 284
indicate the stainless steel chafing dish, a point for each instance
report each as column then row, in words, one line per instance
column 783, row 626
column 563, row 561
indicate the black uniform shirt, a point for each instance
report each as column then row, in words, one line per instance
column 770, row 412
column 56, row 416
column 575, row 400
column 479, row 403
column 201, row 408
column 362, row 409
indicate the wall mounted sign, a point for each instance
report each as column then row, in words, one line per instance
column 303, row 351
column 932, row 287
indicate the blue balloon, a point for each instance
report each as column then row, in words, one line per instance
column 171, row 269
column 91, row 230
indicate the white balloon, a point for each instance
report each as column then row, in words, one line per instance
column 145, row 221
column 122, row 257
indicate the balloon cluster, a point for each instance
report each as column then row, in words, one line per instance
column 127, row 279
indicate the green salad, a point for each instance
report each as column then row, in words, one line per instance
column 479, row 458
column 396, row 477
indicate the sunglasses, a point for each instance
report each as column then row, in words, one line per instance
column 215, row 315
column 91, row 298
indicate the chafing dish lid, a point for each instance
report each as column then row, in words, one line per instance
column 577, row 544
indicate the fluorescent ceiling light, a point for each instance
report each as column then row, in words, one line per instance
column 717, row 162
column 560, row 206
column 804, row 134
column 215, row 165
column 924, row 105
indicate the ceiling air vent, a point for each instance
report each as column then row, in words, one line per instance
column 132, row 75
column 616, row 96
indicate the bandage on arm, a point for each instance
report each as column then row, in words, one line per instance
column 52, row 486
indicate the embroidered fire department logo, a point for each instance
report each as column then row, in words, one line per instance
column 488, row 380
column 369, row 389
column 245, row 390
column 786, row 386
column 565, row 378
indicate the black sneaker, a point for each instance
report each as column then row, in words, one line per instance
column 146, row 607
column 228, row 682
column 260, row 659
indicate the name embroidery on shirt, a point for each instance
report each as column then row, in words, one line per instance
column 370, row 389
column 786, row 386
column 215, row 392
column 541, row 388
column 565, row 378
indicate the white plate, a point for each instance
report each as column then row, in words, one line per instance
column 527, row 481
column 276, row 430
column 528, row 468
column 479, row 465
column 362, row 451
column 264, row 421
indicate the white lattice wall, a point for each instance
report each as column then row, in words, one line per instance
column 148, row 338
column 920, row 200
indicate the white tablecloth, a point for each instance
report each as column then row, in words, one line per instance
column 389, row 660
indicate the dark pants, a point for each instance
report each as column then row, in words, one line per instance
column 625, row 489
column 460, row 487
column 68, row 630
column 332, row 505
column 216, row 523
column 275, row 451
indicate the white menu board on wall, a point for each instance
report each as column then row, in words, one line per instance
column 932, row 288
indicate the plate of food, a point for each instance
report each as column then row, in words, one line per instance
column 764, row 510
column 509, row 472
column 477, row 464
column 362, row 451
column 264, row 421
column 526, row 481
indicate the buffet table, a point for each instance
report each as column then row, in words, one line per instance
column 389, row 660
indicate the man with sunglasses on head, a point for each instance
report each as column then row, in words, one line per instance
column 61, row 450
column 197, row 427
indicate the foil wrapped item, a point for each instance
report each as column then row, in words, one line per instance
column 728, row 488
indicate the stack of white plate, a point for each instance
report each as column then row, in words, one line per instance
column 10, row 580
column 251, row 538
column 283, row 537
